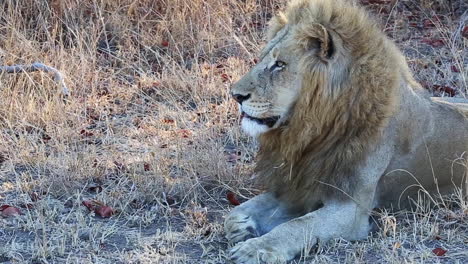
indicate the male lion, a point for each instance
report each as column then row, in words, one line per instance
column 343, row 128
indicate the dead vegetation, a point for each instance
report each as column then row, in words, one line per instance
column 149, row 130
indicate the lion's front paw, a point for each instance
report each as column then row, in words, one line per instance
column 239, row 227
column 256, row 251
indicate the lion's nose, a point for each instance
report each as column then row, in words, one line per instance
column 240, row 97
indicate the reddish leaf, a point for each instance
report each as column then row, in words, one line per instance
column 46, row 137
column 428, row 24
column 446, row 89
column 104, row 211
column 8, row 210
column 168, row 121
column 185, row 133
column 98, row 208
column 89, row 204
column 439, row 251
column 413, row 17
column 165, row 43
column 85, row 133
column 436, row 43
column 225, row 77
column 465, row 32
column 454, row 68
column 146, row 167
column 232, row 198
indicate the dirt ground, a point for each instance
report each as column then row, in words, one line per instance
column 135, row 165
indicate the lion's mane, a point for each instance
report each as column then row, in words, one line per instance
column 336, row 120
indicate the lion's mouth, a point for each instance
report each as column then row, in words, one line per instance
column 269, row 121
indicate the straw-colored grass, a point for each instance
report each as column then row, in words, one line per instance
column 150, row 130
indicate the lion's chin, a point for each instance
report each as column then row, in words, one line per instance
column 253, row 128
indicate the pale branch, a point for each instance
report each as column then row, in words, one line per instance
column 37, row 66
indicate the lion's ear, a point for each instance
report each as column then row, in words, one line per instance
column 318, row 37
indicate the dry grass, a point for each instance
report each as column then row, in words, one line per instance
column 150, row 129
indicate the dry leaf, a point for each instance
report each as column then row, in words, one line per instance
column 85, row 133
column 439, row 251
column 225, row 77
column 8, row 210
column 436, row 43
column 464, row 32
column 99, row 208
column 454, row 68
column 168, row 121
column 232, row 198
column 185, row 133
column 104, row 211
column 428, row 24
column 446, row 89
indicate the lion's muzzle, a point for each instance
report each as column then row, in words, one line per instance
column 270, row 121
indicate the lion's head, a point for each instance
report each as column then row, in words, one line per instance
column 325, row 85
column 266, row 95
column 268, row 92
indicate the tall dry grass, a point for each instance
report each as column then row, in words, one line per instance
column 150, row 129
column 140, row 71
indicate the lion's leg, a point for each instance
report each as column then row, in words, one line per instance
column 346, row 218
column 255, row 217
column 283, row 243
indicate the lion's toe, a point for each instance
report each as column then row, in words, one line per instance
column 239, row 228
column 256, row 252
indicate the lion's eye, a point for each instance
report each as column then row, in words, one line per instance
column 279, row 65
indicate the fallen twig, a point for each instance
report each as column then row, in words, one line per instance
column 37, row 66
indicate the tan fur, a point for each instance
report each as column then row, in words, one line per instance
column 334, row 132
column 357, row 121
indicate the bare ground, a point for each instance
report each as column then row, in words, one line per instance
column 150, row 131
